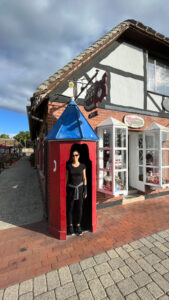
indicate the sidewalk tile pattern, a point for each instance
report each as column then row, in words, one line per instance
column 102, row 277
column 126, row 258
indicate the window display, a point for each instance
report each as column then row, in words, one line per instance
column 152, row 175
column 120, row 181
column 120, row 137
column 152, row 157
column 112, row 157
column 105, row 180
column 105, row 159
column 157, row 155
column 151, row 163
column 120, row 159
column 107, row 138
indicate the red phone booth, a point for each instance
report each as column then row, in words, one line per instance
column 71, row 131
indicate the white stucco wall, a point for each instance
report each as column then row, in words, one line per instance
column 69, row 91
column 90, row 73
column 150, row 104
column 127, row 58
column 126, row 91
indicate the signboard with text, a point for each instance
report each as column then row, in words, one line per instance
column 134, row 121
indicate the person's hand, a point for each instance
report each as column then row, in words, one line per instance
column 84, row 195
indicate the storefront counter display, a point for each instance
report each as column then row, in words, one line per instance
column 153, row 178
column 112, row 157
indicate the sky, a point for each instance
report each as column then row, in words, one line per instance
column 38, row 37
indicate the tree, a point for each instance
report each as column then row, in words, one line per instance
column 4, row 136
column 23, row 137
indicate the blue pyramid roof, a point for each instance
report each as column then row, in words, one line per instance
column 72, row 125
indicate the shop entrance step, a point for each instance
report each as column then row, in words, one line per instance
column 134, row 197
column 132, row 191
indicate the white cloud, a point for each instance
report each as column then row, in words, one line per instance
column 39, row 37
column 11, row 135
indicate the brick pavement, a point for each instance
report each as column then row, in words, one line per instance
column 30, row 250
column 126, row 258
column 136, row 270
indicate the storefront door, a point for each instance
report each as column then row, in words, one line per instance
column 135, row 151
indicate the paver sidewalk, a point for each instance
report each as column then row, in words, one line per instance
column 126, row 258
column 20, row 196
column 137, row 270
column 30, row 250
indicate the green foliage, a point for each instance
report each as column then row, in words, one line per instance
column 4, row 136
column 23, row 137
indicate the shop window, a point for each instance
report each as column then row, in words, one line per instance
column 120, row 137
column 157, row 155
column 112, row 157
column 140, row 157
column 152, row 175
column 120, row 159
column 152, row 144
column 158, row 74
column 120, row 181
column 165, row 157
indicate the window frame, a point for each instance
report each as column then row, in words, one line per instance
column 112, row 171
column 155, row 62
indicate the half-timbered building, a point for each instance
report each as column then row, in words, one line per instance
column 132, row 120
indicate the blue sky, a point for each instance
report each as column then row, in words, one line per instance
column 12, row 122
column 38, row 37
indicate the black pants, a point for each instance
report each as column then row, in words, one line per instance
column 74, row 206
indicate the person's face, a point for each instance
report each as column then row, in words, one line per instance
column 75, row 156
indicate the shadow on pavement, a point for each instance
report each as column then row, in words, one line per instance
column 20, row 196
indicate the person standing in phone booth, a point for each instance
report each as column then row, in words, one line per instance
column 76, row 186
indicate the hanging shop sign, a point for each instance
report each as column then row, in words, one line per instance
column 134, row 121
column 93, row 114
column 96, row 93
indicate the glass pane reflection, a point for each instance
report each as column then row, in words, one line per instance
column 120, row 137
column 120, row 181
column 120, row 159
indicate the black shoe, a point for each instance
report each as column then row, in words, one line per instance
column 78, row 230
column 70, row 230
